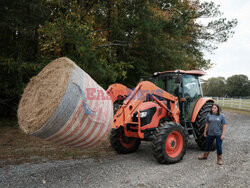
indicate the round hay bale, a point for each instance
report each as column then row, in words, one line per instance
column 63, row 104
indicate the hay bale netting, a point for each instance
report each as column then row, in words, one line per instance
column 63, row 104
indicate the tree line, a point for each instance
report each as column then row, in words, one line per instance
column 234, row 86
column 112, row 40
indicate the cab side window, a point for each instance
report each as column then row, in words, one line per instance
column 173, row 87
column 168, row 83
column 160, row 82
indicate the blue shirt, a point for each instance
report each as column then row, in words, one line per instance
column 215, row 123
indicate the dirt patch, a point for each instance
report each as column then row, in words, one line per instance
column 17, row 148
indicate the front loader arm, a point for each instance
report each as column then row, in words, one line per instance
column 139, row 94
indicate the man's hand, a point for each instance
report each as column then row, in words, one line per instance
column 222, row 137
column 205, row 134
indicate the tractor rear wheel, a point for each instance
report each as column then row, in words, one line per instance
column 169, row 143
column 123, row 144
column 200, row 123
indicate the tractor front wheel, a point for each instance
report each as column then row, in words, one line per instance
column 123, row 144
column 169, row 143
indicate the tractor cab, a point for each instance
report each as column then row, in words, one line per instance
column 183, row 84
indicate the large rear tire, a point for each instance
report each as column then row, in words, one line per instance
column 200, row 123
column 169, row 143
column 123, row 144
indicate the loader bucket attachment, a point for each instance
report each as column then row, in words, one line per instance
column 118, row 92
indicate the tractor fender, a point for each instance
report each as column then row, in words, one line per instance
column 199, row 104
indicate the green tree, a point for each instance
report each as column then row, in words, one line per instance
column 112, row 40
column 238, row 86
column 215, row 87
column 151, row 36
column 19, row 21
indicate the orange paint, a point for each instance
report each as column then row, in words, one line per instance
column 174, row 144
column 135, row 102
column 118, row 91
column 198, row 107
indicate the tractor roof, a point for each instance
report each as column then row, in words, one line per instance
column 193, row 72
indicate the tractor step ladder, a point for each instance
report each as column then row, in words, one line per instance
column 140, row 134
column 188, row 127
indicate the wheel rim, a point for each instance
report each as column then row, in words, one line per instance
column 127, row 142
column 174, row 144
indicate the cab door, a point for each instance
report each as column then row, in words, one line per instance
column 191, row 92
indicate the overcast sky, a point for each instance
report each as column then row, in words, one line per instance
column 233, row 56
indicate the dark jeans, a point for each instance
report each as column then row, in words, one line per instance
column 209, row 143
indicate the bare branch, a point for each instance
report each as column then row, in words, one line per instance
column 100, row 30
column 111, row 44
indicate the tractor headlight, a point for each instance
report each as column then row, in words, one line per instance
column 142, row 114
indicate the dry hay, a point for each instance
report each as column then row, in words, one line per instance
column 43, row 94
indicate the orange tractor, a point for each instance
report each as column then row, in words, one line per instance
column 166, row 110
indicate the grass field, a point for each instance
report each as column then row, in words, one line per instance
column 244, row 112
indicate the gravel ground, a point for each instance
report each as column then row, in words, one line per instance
column 140, row 169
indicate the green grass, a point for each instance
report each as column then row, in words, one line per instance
column 244, row 112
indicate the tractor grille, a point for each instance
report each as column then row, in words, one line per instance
column 146, row 120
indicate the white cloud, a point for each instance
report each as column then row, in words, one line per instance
column 233, row 57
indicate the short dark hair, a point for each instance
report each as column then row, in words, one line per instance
column 219, row 110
